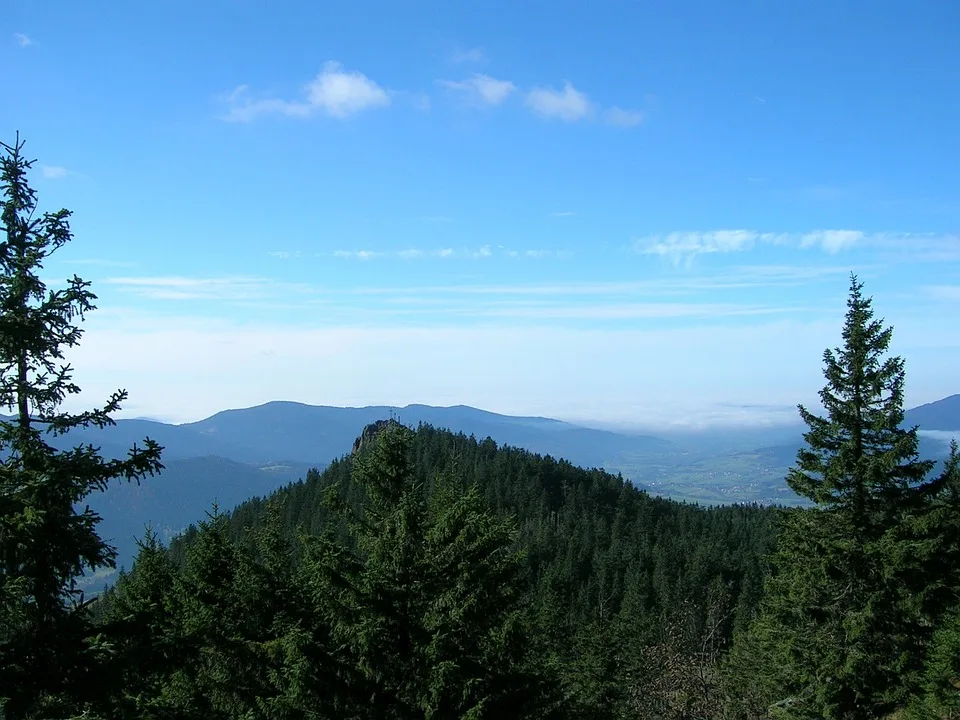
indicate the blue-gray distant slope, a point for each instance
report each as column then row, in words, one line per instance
column 312, row 433
column 940, row 415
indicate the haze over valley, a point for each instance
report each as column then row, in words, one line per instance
column 237, row 454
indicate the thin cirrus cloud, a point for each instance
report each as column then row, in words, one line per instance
column 483, row 252
column 471, row 55
column 187, row 288
column 22, row 40
column 334, row 92
column 53, row 172
column 678, row 245
column 623, row 118
column 481, row 90
column 638, row 301
column 409, row 254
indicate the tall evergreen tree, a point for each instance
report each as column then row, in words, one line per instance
column 847, row 601
column 46, row 542
column 428, row 604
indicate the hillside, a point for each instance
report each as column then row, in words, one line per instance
column 220, row 458
column 184, row 491
column 940, row 415
column 609, row 573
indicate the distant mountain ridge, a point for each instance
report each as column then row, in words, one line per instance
column 283, row 430
column 234, row 455
column 237, row 454
column 942, row 414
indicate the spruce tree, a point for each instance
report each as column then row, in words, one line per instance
column 847, row 601
column 47, row 538
column 427, row 597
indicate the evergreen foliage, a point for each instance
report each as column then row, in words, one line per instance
column 432, row 556
column 858, row 580
column 47, row 658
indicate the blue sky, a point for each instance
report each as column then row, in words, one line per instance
column 641, row 213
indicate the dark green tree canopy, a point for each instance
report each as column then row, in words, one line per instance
column 860, row 458
column 859, row 579
column 46, row 540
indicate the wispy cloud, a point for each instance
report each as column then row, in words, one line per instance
column 623, row 118
column 482, row 252
column 421, row 101
column 192, row 288
column 918, row 247
column 536, row 254
column 685, row 244
column 53, row 172
column 355, row 254
column 738, row 278
column 571, row 105
column 334, row 92
column 481, row 90
column 950, row 293
column 566, row 213
column 633, row 311
column 568, row 104
column 285, row 254
column 101, row 262
column 679, row 245
column 833, row 241
column 22, row 40
column 472, row 55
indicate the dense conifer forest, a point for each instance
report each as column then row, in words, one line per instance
column 433, row 575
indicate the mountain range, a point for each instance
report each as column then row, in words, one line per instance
column 237, row 454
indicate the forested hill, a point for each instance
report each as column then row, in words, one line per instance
column 589, row 535
column 612, row 576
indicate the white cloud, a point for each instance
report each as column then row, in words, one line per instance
column 472, row 55
column 356, row 254
column 626, row 311
column 685, row 244
column 102, row 262
column 623, row 118
column 738, row 278
column 22, row 40
column 562, row 214
column 409, row 253
column 569, row 104
column 918, row 247
column 832, row 241
column 334, row 92
column 679, row 245
column 950, row 293
column 53, row 172
column 534, row 253
column 482, row 89
column 187, row 288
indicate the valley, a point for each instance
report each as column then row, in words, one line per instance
column 238, row 454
